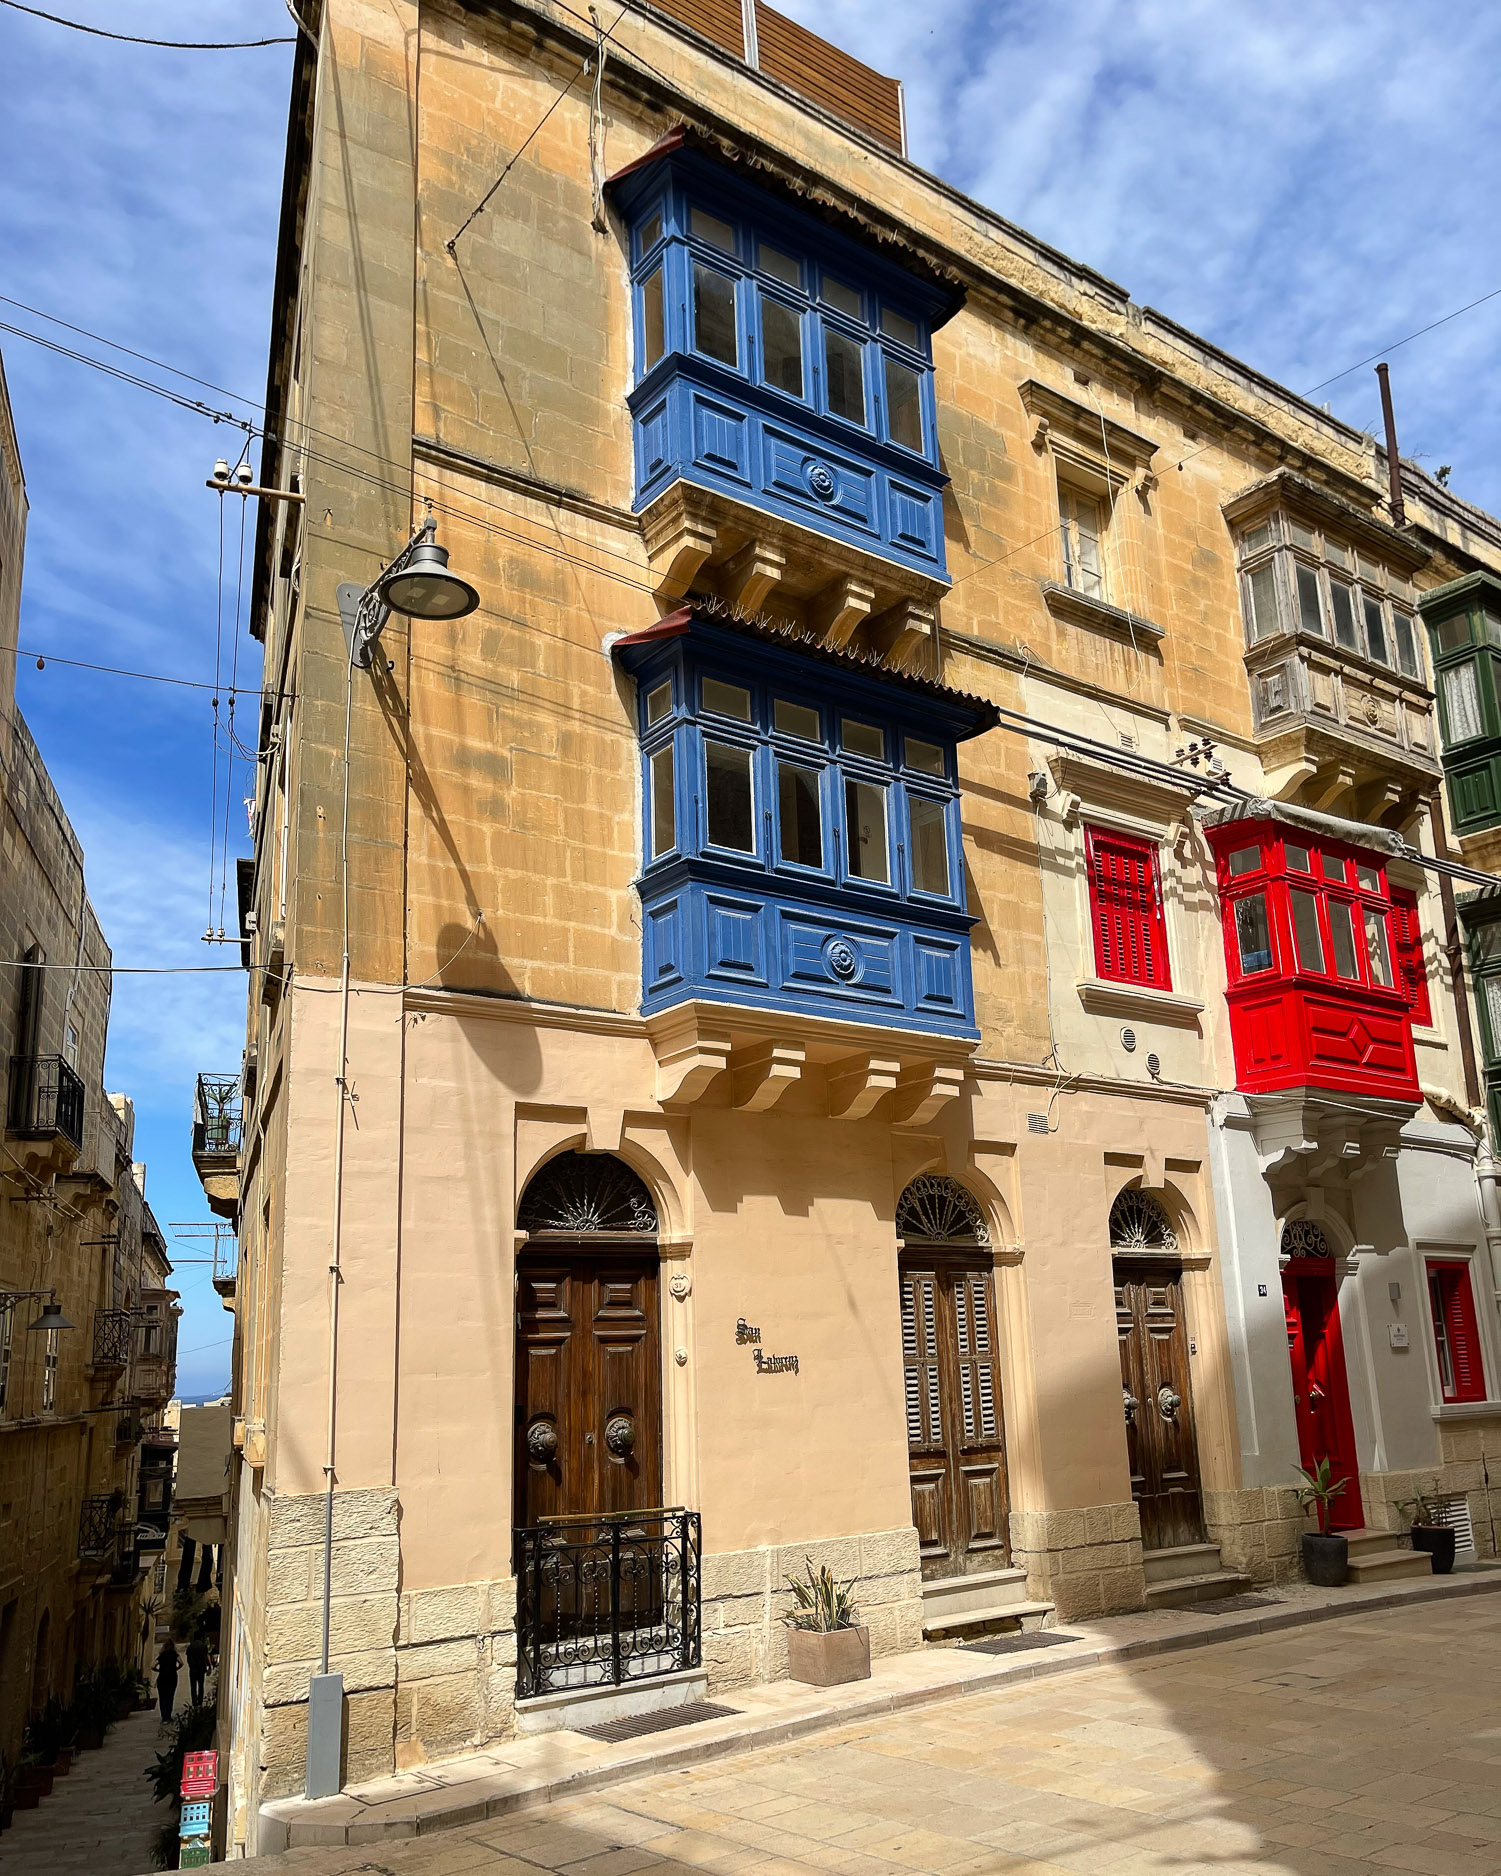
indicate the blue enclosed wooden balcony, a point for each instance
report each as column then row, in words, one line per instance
column 785, row 427
column 802, row 840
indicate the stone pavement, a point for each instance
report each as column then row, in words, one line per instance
column 1357, row 1746
column 101, row 1820
column 520, row 1773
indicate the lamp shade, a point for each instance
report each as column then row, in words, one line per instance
column 425, row 589
column 52, row 1317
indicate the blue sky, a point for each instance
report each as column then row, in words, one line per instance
column 1302, row 183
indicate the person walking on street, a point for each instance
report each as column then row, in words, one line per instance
column 197, row 1669
column 166, row 1678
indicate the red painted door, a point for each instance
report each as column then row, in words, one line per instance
column 1321, row 1394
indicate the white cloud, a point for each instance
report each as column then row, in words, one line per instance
column 1301, row 183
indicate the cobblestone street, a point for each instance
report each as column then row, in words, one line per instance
column 1365, row 1745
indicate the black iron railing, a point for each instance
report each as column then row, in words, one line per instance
column 45, row 1098
column 600, row 1601
column 112, row 1338
column 217, row 1116
column 98, row 1520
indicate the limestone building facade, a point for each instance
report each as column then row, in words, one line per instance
column 747, row 1059
column 76, row 1234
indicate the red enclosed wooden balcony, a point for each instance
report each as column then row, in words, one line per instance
column 1320, row 963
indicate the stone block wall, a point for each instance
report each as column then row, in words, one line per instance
column 745, row 1597
column 455, row 1669
column 1258, row 1532
column 364, row 1615
column 1085, row 1561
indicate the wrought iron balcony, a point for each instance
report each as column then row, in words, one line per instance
column 98, row 1525
column 603, row 1601
column 112, row 1338
column 45, row 1100
column 218, row 1115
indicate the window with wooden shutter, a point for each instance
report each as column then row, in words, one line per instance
column 920, row 1358
column 1456, row 1334
column 1412, row 970
column 1125, row 909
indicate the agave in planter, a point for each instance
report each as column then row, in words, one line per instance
column 1326, row 1555
column 826, row 1644
column 1429, row 1529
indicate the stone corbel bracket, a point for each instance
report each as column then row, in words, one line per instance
column 858, row 1086
column 761, row 1075
column 922, row 1093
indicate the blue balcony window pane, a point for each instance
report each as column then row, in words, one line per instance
column 799, row 814
column 726, row 700
column 653, row 321
column 781, row 346
column 930, row 845
column 719, row 234
column 865, row 831
column 862, row 739
column 903, row 405
column 731, row 819
column 926, row 758
column 795, row 719
column 658, row 704
column 844, row 375
column 664, row 820
column 714, row 331
column 779, row 265
column 844, row 299
column 899, row 327
column 651, row 232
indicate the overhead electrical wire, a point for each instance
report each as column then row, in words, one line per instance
column 45, row 658
column 170, row 45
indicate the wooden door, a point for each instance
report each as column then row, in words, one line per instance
column 955, row 1432
column 1321, row 1391
column 1157, row 1399
column 588, row 1383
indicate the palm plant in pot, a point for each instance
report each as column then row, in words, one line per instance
column 826, row 1644
column 1428, row 1530
column 1326, row 1555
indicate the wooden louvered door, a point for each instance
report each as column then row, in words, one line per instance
column 1157, row 1400
column 955, row 1433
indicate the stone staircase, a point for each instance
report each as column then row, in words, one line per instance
column 1384, row 1557
column 993, row 1599
column 1189, row 1573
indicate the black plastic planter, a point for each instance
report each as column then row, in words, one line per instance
column 1438, row 1541
column 1326, row 1558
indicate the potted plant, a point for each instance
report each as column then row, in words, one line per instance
column 1326, row 1555
column 826, row 1645
column 1428, row 1530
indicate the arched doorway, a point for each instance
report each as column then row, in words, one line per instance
column 1315, row 1348
column 588, row 1361
column 1156, row 1388
column 951, row 1373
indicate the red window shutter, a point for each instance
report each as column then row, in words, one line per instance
column 1407, row 937
column 1454, row 1313
column 1125, row 909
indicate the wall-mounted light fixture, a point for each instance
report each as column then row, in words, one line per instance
column 417, row 583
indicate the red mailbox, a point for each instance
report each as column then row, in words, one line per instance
column 1318, row 993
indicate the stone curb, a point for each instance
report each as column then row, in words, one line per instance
column 295, row 1823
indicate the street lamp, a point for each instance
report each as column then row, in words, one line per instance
column 51, row 1317
column 417, row 583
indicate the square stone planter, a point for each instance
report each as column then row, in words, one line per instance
column 828, row 1660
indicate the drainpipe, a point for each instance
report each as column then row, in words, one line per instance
column 1454, row 951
